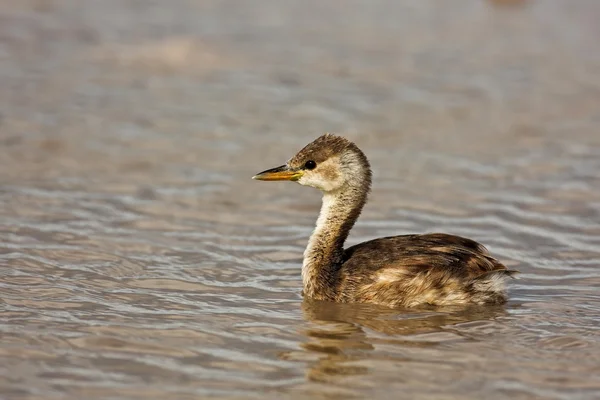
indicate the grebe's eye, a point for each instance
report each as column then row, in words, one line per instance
column 310, row 164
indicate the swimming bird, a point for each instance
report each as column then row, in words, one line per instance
column 399, row 271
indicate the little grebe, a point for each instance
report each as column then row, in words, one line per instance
column 398, row 271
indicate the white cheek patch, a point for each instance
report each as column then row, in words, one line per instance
column 325, row 177
column 316, row 181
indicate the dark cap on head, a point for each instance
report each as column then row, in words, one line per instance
column 322, row 148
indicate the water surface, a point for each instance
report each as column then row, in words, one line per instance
column 138, row 260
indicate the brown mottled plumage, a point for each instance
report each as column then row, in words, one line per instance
column 408, row 270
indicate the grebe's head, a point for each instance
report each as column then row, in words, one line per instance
column 330, row 163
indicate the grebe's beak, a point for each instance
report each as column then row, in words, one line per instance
column 283, row 173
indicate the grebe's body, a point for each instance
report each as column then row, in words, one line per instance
column 408, row 270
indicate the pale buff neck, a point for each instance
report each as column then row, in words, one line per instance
column 324, row 253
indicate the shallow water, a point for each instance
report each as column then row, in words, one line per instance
column 138, row 259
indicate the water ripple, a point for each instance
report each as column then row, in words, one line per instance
column 139, row 260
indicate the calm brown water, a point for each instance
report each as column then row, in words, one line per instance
column 139, row 261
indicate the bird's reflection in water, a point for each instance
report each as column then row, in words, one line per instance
column 342, row 333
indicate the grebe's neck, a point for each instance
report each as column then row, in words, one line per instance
column 324, row 254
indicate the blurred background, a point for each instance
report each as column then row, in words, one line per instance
column 139, row 260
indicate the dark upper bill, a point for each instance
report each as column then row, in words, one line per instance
column 282, row 173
